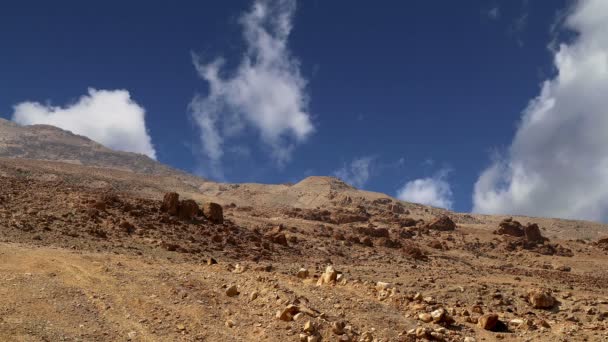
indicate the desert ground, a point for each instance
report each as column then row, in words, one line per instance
column 94, row 252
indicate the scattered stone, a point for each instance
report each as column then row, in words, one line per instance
column 287, row 313
column 232, row 291
column 309, row 327
column 441, row 316
column 425, row 317
column 488, row 321
column 302, row 273
column 338, row 327
column 541, row 299
column 443, row 223
column 328, row 277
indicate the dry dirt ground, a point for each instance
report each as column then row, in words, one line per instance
column 87, row 255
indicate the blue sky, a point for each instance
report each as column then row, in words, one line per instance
column 381, row 94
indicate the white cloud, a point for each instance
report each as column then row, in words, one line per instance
column 434, row 191
column 266, row 92
column 356, row 173
column 557, row 164
column 109, row 117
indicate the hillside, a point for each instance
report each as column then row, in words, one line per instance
column 89, row 251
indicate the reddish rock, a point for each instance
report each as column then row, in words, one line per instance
column 213, row 212
column 278, row 238
column 170, row 203
column 443, row 223
column 413, row 251
column 510, row 227
column 533, row 234
column 408, row 222
column 188, row 209
column 488, row 321
column 541, row 299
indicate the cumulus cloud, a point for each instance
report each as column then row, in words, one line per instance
column 434, row 191
column 109, row 117
column 266, row 92
column 557, row 164
column 356, row 173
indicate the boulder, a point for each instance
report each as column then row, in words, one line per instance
column 170, row 203
column 408, row 222
column 532, row 233
column 541, row 299
column 277, row 237
column 302, row 273
column 213, row 212
column 510, row 227
column 396, row 208
column 443, row 223
column 488, row 321
column 232, row 291
column 287, row 313
column 328, row 277
column 188, row 209
column 441, row 316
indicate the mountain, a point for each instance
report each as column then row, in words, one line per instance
column 92, row 249
column 45, row 142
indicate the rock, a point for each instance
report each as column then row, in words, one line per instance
column 541, row 299
column 287, row 313
column 338, row 327
column 232, row 291
column 329, row 276
column 366, row 337
column 425, row 317
column 470, row 339
column 533, row 234
column 389, row 243
column 396, row 208
column 441, row 316
column 516, row 322
column 170, row 203
column 302, row 273
column 188, row 209
column 213, row 212
column 423, row 332
column 383, row 286
column 253, row 296
column 435, row 244
column 367, row 242
column 443, row 223
column 408, row 222
column 278, row 238
column 211, row 261
column 309, row 327
column 510, row 227
column 238, row 268
column 413, row 251
column 488, row 321
column 127, row 227
column 313, row 338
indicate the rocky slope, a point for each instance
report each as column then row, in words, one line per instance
column 91, row 253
